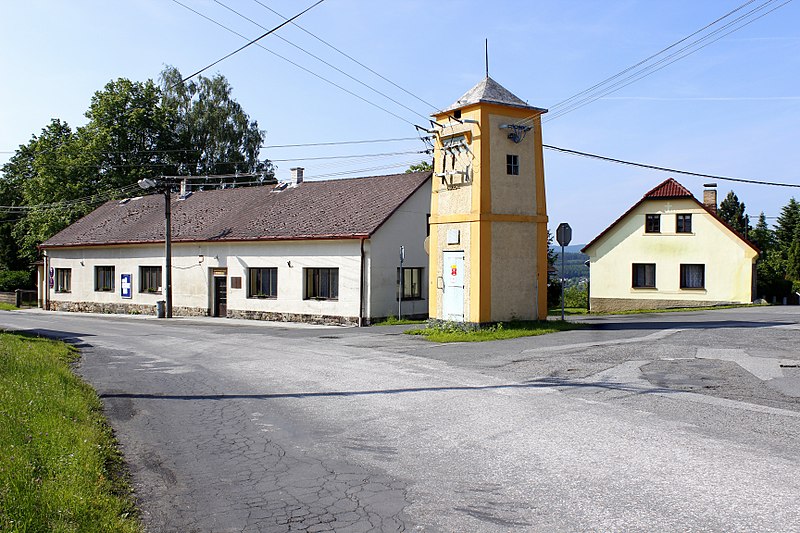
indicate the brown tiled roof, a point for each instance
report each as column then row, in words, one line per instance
column 347, row 208
column 669, row 189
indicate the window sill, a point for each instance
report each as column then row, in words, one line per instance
column 652, row 289
column 320, row 299
column 150, row 292
column 104, row 290
column 63, row 292
column 262, row 297
column 694, row 289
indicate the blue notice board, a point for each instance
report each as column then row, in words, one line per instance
column 125, row 285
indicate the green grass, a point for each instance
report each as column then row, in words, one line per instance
column 392, row 321
column 60, row 469
column 8, row 307
column 506, row 330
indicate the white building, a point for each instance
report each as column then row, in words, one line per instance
column 325, row 251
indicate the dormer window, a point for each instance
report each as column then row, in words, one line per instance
column 652, row 224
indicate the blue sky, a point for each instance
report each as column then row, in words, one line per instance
column 732, row 108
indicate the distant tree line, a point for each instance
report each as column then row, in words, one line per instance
column 135, row 130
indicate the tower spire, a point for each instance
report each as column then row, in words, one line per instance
column 487, row 56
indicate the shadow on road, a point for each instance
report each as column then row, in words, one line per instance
column 541, row 383
column 70, row 337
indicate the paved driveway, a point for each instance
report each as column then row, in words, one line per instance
column 667, row 422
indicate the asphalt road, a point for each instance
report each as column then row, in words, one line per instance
column 668, row 422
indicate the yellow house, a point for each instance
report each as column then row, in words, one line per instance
column 488, row 224
column 670, row 250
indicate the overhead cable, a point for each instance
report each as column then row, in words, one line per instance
column 253, row 41
column 666, row 169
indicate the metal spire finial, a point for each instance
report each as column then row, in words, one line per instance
column 487, row 57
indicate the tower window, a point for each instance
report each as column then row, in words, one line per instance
column 512, row 165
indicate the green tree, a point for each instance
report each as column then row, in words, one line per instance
column 732, row 211
column 135, row 130
column 793, row 257
column 761, row 235
column 129, row 133
column 54, row 167
column 420, row 167
column 212, row 132
column 787, row 224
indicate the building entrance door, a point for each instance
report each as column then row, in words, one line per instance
column 453, row 298
column 220, row 296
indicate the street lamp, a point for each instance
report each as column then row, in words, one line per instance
column 164, row 185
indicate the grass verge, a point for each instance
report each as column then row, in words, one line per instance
column 60, row 469
column 8, row 307
column 506, row 330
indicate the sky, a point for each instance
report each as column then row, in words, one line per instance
column 732, row 108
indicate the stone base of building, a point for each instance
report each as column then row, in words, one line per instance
column 142, row 309
column 122, row 308
column 613, row 305
column 328, row 320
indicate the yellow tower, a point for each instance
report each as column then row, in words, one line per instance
column 488, row 240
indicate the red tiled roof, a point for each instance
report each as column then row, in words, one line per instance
column 669, row 189
column 347, row 208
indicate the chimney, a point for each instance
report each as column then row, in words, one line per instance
column 185, row 187
column 297, row 176
column 710, row 196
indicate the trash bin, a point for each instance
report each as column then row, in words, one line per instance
column 161, row 308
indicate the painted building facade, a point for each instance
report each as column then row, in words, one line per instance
column 670, row 250
column 488, row 242
column 323, row 252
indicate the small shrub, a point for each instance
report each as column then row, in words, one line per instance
column 11, row 280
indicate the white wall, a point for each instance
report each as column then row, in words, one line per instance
column 192, row 271
column 406, row 227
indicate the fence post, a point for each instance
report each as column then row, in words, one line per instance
column 18, row 297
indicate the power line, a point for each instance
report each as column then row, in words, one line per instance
column 670, row 59
column 354, row 60
column 337, row 69
column 326, row 80
column 355, row 156
column 602, row 89
column 666, row 169
column 276, row 28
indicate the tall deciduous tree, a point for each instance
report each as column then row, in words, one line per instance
column 214, row 133
column 732, row 211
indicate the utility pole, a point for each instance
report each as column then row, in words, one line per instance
column 168, row 247
column 165, row 185
column 400, row 285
